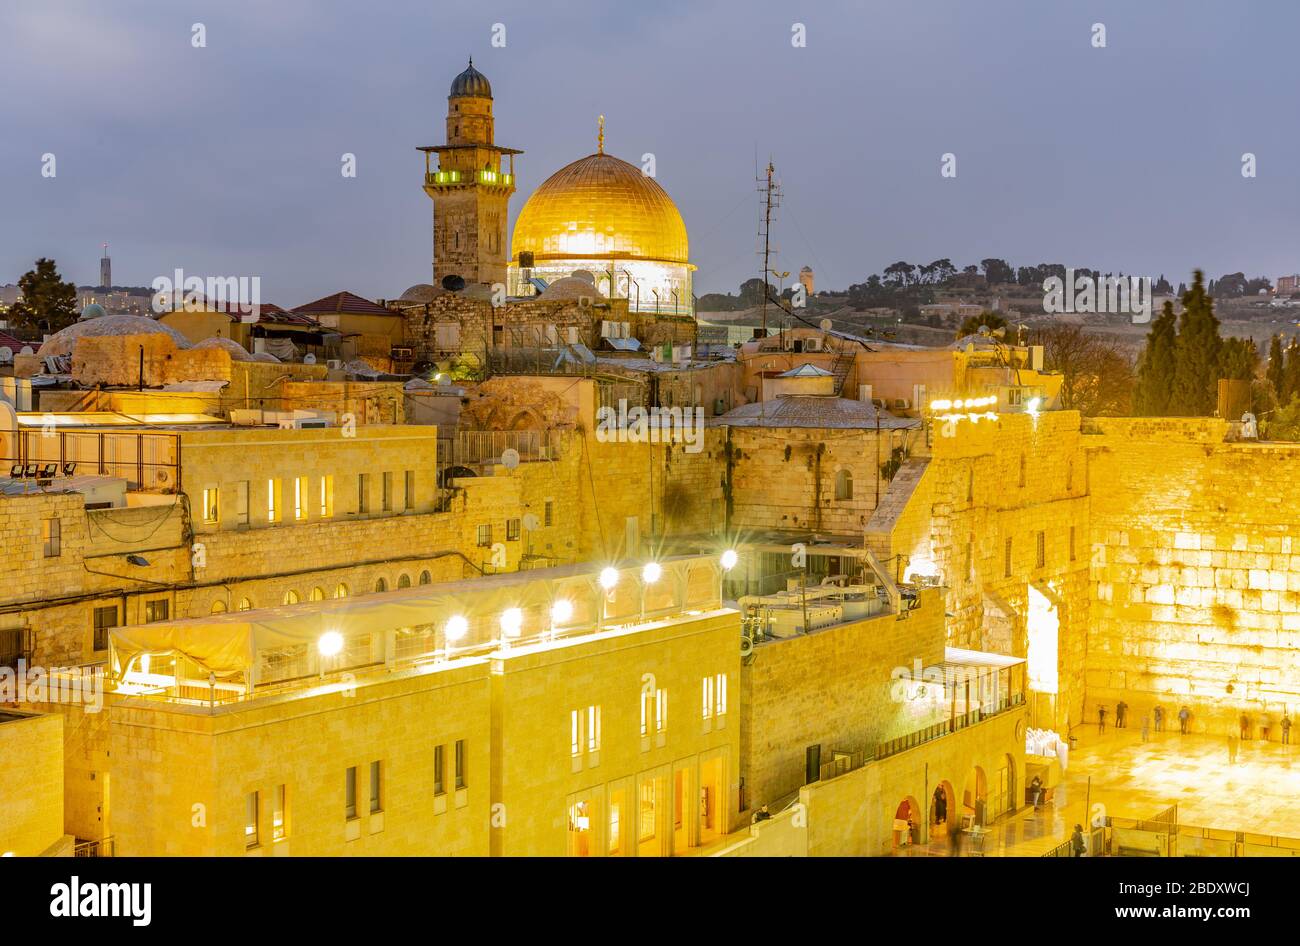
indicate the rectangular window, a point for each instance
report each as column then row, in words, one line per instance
column 661, row 710
column 439, row 770
column 460, row 763
column 1006, row 559
column 1042, row 549
column 250, row 820
column 211, row 499
column 707, row 698
column 363, row 492
column 300, row 494
column 1072, row 543
column 512, row 530
column 156, row 610
column 575, row 732
column 593, row 728
column 485, row 537
column 273, row 501
column 720, row 688
column 52, row 537
column 105, row 619
column 548, row 513
column 388, row 492
column 350, row 793
column 326, row 497
column 241, row 503
column 280, row 814
column 376, row 787
column 409, row 491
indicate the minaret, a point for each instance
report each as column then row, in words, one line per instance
column 470, row 187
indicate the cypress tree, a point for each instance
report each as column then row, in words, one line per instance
column 1197, row 354
column 1290, row 374
column 1155, row 373
column 1276, row 367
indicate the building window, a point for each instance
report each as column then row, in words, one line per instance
column 376, row 787
column 584, row 730
column 272, row 500
column 714, row 696
column 211, row 500
column 409, row 490
column 218, row 607
column 363, row 492
column 512, row 530
column 340, row 590
column 970, row 485
column 439, row 770
column 241, row 503
column 388, row 492
column 300, row 494
column 350, row 793
column 316, row 594
column 1072, row 543
column 280, row 814
column 843, row 485
column 1023, row 470
column 460, row 763
column 575, row 732
column 381, row 584
column 245, row 604
column 250, row 820
column 425, row 577
column 51, row 536
column 1042, row 549
column 548, row 513
column 1006, row 559
column 654, row 712
column 105, row 620
column 403, row 580
column 156, row 610
column 291, row 597
column 485, row 537
column 326, row 497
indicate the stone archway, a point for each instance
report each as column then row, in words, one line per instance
column 908, row 810
column 944, row 812
column 975, row 796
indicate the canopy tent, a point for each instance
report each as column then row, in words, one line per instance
column 228, row 645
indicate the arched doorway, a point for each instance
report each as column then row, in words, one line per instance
column 943, row 811
column 907, row 823
column 975, row 797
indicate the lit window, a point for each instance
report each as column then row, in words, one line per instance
column 272, row 500
column 707, row 698
column 211, row 512
column 720, row 690
column 340, row 590
column 326, row 497
column 654, row 711
column 280, row 814
column 250, row 820
column 157, row 610
column 218, row 607
column 575, row 732
column 245, row 604
column 661, row 710
column 291, row 597
column 317, row 594
column 593, row 728
column 300, row 498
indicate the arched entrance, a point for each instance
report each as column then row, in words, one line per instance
column 1004, row 793
column 907, row 823
column 975, row 797
column 943, row 811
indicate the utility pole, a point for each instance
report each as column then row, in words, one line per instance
column 770, row 188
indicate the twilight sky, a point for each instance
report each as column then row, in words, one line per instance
column 226, row 160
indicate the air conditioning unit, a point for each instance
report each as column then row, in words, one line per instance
column 813, row 344
column 334, row 364
column 901, row 404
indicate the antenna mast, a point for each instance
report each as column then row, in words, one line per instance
column 770, row 188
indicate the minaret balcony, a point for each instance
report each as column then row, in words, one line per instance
column 452, row 178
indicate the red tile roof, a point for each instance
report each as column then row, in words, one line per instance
column 15, row 345
column 269, row 312
column 343, row 302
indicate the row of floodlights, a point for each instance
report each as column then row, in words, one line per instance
column 330, row 643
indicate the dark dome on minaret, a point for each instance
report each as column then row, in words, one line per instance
column 471, row 82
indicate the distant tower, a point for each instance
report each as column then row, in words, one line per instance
column 470, row 187
column 105, row 269
column 806, row 278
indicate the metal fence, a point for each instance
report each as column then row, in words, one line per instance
column 954, row 723
column 479, row 448
column 148, row 461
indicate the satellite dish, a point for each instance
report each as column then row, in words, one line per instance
column 309, row 359
column 530, row 522
column 453, row 283
column 509, row 458
column 27, row 350
column 826, row 325
column 6, row 355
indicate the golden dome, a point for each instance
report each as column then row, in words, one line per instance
column 600, row 207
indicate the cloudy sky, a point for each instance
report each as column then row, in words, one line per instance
column 226, row 159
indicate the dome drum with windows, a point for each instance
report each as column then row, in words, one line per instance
column 603, row 216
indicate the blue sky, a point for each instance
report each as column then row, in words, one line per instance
column 225, row 160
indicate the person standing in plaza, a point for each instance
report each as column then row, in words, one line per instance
column 1160, row 718
column 1121, row 715
column 1146, row 727
column 1286, row 729
column 1183, row 715
column 1101, row 719
column 1245, row 726
column 1076, row 841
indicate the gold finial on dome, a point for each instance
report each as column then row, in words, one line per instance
column 600, row 135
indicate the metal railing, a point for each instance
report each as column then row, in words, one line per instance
column 148, row 461
column 104, row 847
column 948, row 726
column 478, row 448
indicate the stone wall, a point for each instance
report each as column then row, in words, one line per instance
column 1196, row 573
